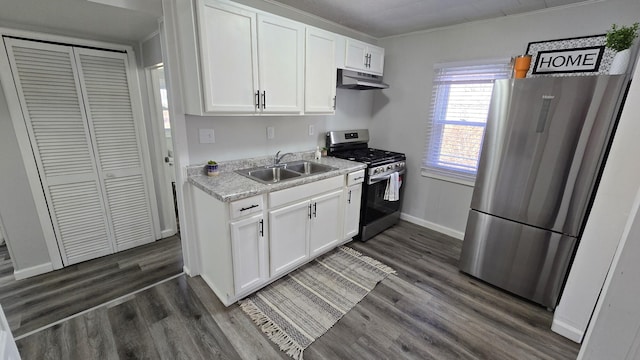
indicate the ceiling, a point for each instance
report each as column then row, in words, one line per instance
column 93, row 19
column 132, row 20
column 381, row 18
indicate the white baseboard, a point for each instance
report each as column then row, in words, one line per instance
column 187, row 271
column 433, row 226
column 566, row 330
column 33, row 271
column 167, row 233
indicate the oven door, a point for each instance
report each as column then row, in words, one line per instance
column 374, row 206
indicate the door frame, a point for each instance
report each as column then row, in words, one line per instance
column 167, row 209
column 20, row 128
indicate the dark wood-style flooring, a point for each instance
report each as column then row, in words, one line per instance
column 38, row 301
column 428, row 311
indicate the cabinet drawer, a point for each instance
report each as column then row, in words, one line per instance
column 245, row 207
column 355, row 177
column 285, row 196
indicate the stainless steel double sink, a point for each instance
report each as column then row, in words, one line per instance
column 272, row 174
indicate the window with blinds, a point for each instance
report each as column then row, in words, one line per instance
column 459, row 109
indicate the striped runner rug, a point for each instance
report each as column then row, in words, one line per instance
column 297, row 309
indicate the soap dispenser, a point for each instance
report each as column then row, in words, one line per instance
column 318, row 154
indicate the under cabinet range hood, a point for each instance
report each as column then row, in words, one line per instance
column 355, row 80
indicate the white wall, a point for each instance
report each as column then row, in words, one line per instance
column 245, row 136
column 401, row 112
column 615, row 330
column 17, row 208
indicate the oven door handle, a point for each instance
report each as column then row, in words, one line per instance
column 377, row 179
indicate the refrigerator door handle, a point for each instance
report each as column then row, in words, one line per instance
column 544, row 113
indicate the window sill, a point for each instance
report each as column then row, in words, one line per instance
column 428, row 174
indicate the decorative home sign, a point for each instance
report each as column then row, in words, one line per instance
column 585, row 55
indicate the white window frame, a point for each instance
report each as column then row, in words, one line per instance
column 481, row 71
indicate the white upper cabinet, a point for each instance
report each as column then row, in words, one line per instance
column 228, row 58
column 376, row 59
column 281, row 64
column 240, row 61
column 237, row 60
column 320, row 72
column 364, row 57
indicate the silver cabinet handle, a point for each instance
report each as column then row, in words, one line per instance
column 262, row 227
column 315, row 210
column 257, row 99
column 349, row 200
column 264, row 100
column 334, row 103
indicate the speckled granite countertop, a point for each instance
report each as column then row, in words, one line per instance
column 230, row 186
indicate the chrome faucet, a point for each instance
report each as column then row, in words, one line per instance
column 278, row 157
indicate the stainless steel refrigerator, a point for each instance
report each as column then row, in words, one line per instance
column 544, row 145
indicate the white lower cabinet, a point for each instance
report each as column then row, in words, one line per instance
column 289, row 229
column 246, row 244
column 249, row 249
column 326, row 222
column 352, row 211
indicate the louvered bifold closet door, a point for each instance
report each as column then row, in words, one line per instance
column 105, row 85
column 51, row 102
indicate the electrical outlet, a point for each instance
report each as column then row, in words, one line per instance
column 207, row 136
column 312, row 130
column 271, row 132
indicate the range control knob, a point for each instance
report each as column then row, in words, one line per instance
column 389, row 167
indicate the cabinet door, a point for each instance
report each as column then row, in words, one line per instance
column 352, row 211
column 228, row 54
column 326, row 222
column 49, row 90
column 320, row 72
column 376, row 59
column 281, row 62
column 249, row 251
column 355, row 55
column 115, row 132
column 288, row 233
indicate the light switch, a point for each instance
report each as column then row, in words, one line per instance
column 312, row 130
column 207, row 136
column 271, row 132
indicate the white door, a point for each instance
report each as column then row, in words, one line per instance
column 281, row 62
column 376, row 59
column 352, row 212
column 228, row 57
column 249, row 249
column 116, row 143
column 320, row 72
column 8, row 348
column 50, row 96
column 326, row 222
column 163, row 153
column 355, row 55
column 288, row 233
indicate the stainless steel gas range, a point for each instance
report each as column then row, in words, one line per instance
column 377, row 212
